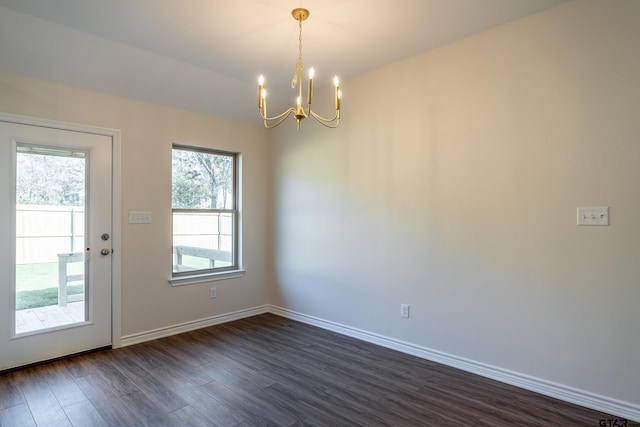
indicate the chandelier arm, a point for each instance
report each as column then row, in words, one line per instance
column 329, row 125
column 323, row 119
column 284, row 114
column 334, row 123
column 282, row 117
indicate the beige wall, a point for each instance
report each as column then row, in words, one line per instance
column 148, row 301
column 452, row 185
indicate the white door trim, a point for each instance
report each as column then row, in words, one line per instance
column 116, row 266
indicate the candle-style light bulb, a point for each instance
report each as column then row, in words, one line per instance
column 336, row 83
column 312, row 72
column 298, row 101
column 260, row 90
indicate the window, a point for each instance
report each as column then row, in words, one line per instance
column 204, row 199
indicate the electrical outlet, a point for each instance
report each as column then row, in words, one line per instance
column 404, row 310
column 213, row 293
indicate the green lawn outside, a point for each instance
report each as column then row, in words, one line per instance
column 43, row 297
column 198, row 263
column 37, row 284
column 30, row 277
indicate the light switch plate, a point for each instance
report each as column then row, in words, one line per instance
column 139, row 217
column 593, row 216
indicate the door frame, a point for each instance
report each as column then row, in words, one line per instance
column 116, row 220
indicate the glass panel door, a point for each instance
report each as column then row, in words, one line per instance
column 50, row 237
column 55, row 243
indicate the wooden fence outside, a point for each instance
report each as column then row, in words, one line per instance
column 42, row 232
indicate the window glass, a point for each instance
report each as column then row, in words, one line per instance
column 205, row 217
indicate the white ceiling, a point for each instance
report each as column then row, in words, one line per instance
column 205, row 55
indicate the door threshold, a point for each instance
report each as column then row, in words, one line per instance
column 56, row 359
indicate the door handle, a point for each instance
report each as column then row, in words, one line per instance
column 105, row 251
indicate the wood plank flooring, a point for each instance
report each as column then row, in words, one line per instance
column 267, row 371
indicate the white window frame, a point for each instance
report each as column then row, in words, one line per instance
column 220, row 273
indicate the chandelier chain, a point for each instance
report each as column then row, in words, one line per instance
column 298, row 70
column 299, row 64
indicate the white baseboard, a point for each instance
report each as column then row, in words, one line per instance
column 191, row 326
column 600, row 403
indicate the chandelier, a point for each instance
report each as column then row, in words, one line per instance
column 299, row 111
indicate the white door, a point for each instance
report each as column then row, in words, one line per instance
column 55, row 242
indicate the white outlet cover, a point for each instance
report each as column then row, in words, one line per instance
column 593, row 216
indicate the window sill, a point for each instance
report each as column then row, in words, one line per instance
column 209, row 277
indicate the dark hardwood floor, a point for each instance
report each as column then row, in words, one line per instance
column 267, row 371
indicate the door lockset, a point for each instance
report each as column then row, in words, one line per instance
column 105, row 237
column 105, row 251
